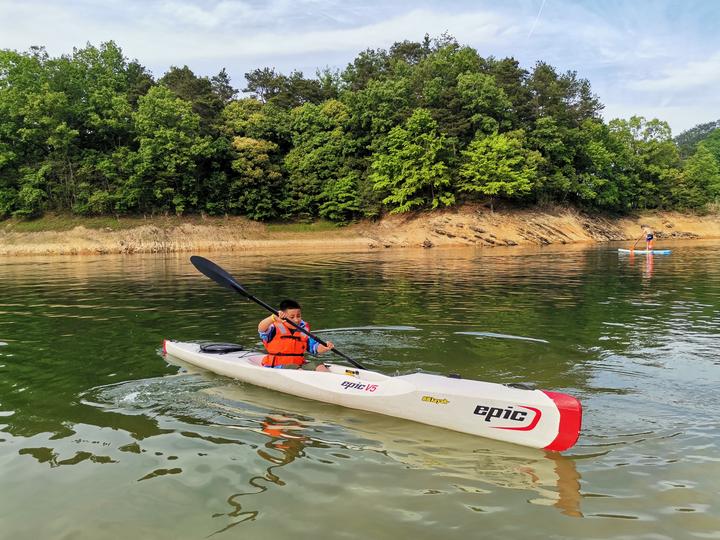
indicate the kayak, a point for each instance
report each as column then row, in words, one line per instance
column 528, row 417
column 646, row 252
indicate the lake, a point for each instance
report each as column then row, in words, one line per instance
column 101, row 437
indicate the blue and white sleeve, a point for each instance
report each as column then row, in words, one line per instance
column 268, row 334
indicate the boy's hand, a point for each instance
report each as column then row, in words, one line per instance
column 323, row 348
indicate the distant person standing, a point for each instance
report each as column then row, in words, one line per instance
column 649, row 237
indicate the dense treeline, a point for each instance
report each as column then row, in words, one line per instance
column 421, row 125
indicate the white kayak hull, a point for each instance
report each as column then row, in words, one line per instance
column 534, row 418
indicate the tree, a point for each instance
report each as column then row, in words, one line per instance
column 378, row 108
column 513, row 80
column 499, row 164
column 606, row 173
column 318, row 168
column 558, row 147
column 655, row 159
column 340, row 198
column 222, row 88
column 484, row 102
column 435, row 80
column 700, row 180
column 249, row 117
column 23, row 144
column 368, row 66
column 206, row 102
column 410, row 52
column 170, row 147
column 410, row 170
column 255, row 188
column 712, row 143
column 284, row 91
column 564, row 97
column 263, row 83
column 688, row 140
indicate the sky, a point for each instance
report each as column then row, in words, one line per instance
column 652, row 58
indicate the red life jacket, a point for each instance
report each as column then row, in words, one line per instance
column 287, row 347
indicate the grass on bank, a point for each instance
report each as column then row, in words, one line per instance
column 67, row 222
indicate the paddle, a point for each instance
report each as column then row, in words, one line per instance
column 222, row 278
column 636, row 241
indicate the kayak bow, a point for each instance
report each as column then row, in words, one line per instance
column 535, row 418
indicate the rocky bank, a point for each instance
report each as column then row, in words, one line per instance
column 466, row 226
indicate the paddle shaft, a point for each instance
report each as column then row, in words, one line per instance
column 636, row 241
column 221, row 277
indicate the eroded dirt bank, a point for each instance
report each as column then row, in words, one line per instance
column 468, row 226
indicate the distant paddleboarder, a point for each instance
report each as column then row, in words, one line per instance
column 649, row 235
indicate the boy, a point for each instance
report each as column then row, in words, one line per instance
column 285, row 344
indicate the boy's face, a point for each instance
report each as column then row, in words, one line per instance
column 295, row 315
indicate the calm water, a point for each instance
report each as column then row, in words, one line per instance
column 101, row 438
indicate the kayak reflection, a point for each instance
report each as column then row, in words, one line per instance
column 457, row 456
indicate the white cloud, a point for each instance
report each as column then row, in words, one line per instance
column 683, row 77
column 680, row 117
column 180, row 30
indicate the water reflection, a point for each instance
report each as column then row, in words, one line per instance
column 283, row 447
column 646, row 262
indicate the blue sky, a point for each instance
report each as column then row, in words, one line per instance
column 658, row 59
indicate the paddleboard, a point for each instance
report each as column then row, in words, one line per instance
column 646, row 252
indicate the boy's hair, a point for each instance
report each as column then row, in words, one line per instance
column 289, row 304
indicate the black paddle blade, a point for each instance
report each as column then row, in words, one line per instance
column 217, row 274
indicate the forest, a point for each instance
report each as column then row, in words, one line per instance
column 420, row 125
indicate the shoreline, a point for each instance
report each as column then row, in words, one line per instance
column 469, row 226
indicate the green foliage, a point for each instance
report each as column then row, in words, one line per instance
column 484, row 102
column 32, row 193
column 381, row 106
column 411, row 170
column 166, row 162
column 566, row 98
column 699, row 183
column 603, row 176
column 318, row 159
column 222, row 88
column 255, row 188
column 654, row 157
column 558, row 147
column 341, row 198
column 688, row 140
column 286, row 91
column 499, row 164
column 410, row 127
column 8, row 201
column 712, row 143
column 207, row 97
